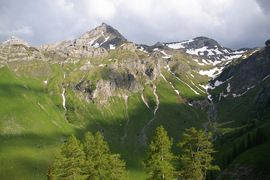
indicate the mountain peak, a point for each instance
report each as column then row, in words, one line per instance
column 202, row 41
column 104, row 24
column 103, row 35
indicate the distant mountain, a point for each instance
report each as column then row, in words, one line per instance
column 241, row 96
column 206, row 48
column 245, row 74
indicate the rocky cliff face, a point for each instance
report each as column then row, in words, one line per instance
column 120, row 77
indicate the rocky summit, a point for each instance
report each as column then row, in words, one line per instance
column 103, row 82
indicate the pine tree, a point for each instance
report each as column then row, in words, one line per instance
column 100, row 163
column 50, row 175
column 159, row 161
column 196, row 158
column 70, row 162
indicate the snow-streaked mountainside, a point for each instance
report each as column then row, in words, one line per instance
column 204, row 51
column 100, row 81
column 207, row 49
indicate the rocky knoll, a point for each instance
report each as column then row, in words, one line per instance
column 15, row 49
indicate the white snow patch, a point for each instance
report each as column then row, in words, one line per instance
column 190, row 104
column 144, row 101
column 163, row 77
column 210, row 97
column 140, row 48
column 176, row 45
column 199, row 51
column 91, row 42
column 228, row 88
column 177, row 92
column 165, row 55
column 218, row 83
column 63, row 96
column 96, row 45
column 196, row 60
column 157, row 99
column 239, row 95
column 216, row 62
column 212, row 72
column 112, row 47
column 106, row 39
column 202, row 64
column 207, row 86
column 266, row 77
column 101, row 65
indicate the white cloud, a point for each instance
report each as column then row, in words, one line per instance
column 21, row 31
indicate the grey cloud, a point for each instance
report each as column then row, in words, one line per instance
column 265, row 5
column 235, row 24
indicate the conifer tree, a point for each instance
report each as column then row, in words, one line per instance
column 70, row 162
column 100, row 162
column 50, row 175
column 92, row 161
column 159, row 161
column 197, row 156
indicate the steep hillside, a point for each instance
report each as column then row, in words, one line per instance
column 241, row 96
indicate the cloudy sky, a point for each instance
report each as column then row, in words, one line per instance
column 233, row 23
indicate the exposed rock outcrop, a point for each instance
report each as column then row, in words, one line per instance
column 15, row 49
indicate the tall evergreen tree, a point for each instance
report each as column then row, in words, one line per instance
column 100, row 163
column 197, row 156
column 70, row 162
column 159, row 161
column 50, row 175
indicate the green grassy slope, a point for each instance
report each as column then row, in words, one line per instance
column 33, row 123
column 31, row 127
